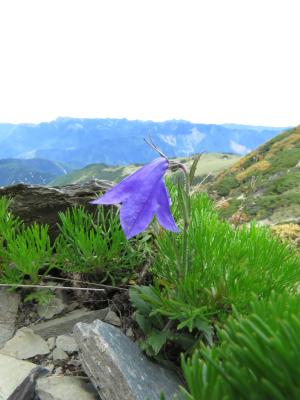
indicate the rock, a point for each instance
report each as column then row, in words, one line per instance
column 50, row 367
column 65, row 388
column 9, row 304
column 118, row 368
column 51, row 343
column 112, row 318
column 56, row 305
column 129, row 333
column 58, row 371
column 25, row 344
column 66, row 343
column 17, row 378
column 41, row 204
column 59, row 354
column 65, row 324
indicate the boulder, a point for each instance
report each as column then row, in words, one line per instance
column 118, row 368
column 41, row 204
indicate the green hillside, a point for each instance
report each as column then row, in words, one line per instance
column 265, row 184
column 209, row 163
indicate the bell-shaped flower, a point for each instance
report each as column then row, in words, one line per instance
column 142, row 195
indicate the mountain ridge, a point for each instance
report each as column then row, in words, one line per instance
column 120, row 141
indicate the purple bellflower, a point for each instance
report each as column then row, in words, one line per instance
column 142, row 195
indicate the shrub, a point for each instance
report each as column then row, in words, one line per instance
column 224, row 187
column 258, row 358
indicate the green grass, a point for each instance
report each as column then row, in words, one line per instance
column 226, row 266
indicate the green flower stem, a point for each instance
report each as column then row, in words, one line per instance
column 186, row 218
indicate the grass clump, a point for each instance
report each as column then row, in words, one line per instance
column 24, row 251
column 97, row 245
column 258, row 357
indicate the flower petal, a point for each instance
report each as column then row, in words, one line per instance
column 163, row 213
column 135, row 217
column 141, row 180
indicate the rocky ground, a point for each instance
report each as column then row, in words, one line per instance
column 63, row 350
column 74, row 344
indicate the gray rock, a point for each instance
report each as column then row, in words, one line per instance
column 65, row 324
column 58, row 371
column 9, row 303
column 59, row 354
column 56, row 305
column 66, row 343
column 41, row 204
column 51, row 343
column 112, row 318
column 118, row 368
column 17, row 378
column 129, row 333
column 25, row 344
column 65, row 388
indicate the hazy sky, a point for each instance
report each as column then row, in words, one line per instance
column 210, row 61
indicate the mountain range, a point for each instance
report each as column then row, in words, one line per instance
column 79, row 142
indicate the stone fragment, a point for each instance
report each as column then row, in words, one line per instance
column 118, row 368
column 25, row 344
column 51, row 343
column 9, row 303
column 59, row 354
column 56, row 305
column 112, row 318
column 17, row 378
column 65, row 324
column 129, row 333
column 66, row 343
column 58, row 371
column 65, row 388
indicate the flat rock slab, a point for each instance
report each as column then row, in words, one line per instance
column 25, row 344
column 17, row 378
column 118, row 368
column 9, row 303
column 65, row 324
column 65, row 388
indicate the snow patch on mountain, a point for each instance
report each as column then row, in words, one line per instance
column 239, row 148
column 191, row 140
column 169, row 139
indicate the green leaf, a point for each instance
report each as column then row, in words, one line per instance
column 157, row 339
column 193, row 168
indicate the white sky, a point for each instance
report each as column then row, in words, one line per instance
column 210, row 61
